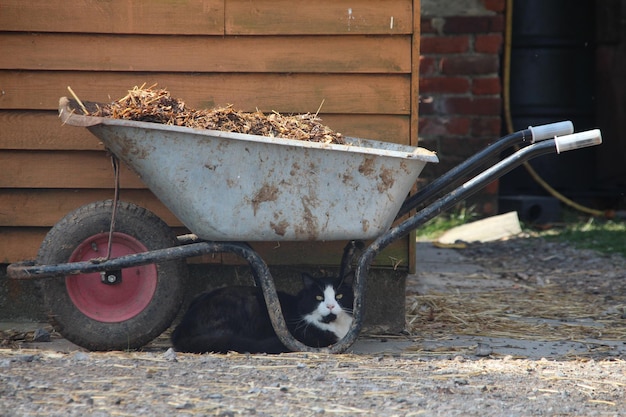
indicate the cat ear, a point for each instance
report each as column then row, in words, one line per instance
column 308, row 280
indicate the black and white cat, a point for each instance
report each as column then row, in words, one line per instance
column 236, row 318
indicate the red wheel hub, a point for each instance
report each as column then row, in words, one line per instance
column 111, row 303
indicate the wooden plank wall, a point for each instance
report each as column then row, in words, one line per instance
column 357, row 57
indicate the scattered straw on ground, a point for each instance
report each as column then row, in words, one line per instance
column 156, row 105
column 524, row 313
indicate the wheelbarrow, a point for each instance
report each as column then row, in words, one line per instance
column 112, row 274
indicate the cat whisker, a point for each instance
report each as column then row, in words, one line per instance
column 303, row 326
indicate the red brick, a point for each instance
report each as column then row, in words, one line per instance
column 444, row 44
column 486, row 86
column 495, row 5
column 451, row 85
column 470, row 64
column 428, row 65
column 487, row 127
column 426, row 26
column 461, row 147
column 483, row 106
column 490, row 44
column 474, row 24
column 498, row 23
column 444, row 126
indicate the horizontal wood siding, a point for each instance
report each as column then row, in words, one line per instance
column 177, row 17
column 81, row 169
column 209, row 17
column 319, row 17
column 339, row 93
column 42, row 130
column 44, row 207
column 354, row 59
column 274, row 54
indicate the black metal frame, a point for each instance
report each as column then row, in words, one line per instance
column 192, row 246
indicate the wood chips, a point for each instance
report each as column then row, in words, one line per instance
column 156, row 105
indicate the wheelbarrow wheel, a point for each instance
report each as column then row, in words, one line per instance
column 116, row 310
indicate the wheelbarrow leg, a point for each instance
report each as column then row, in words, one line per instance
column 350, row 252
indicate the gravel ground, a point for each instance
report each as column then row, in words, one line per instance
column 429, row 375
column 120, row 384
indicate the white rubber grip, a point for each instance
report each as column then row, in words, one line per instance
column 551, row 130
column 578, row 140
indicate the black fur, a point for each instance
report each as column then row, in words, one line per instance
column 236, row 319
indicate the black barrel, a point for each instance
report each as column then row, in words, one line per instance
column 552, row 79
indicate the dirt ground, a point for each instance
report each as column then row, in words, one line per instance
column 522, row 327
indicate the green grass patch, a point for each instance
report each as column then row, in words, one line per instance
column 606, row 236
column 602, row 235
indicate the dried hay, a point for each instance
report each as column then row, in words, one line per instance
column 14, row 339
column 156, row 105
column 549, row 313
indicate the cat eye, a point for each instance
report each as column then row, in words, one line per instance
column 319, row 297
column 339, row 296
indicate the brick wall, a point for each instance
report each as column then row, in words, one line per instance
column 460, row 84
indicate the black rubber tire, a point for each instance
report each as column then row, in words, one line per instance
column 134, row 332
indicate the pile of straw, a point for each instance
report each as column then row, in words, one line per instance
column 156, row 105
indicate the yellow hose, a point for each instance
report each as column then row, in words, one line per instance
column 509, row 121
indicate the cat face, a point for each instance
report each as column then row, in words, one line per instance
column 327, row 304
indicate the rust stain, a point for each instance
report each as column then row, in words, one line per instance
column 280, row 228
column 367, row 167
column 309, row 228
column 387, row 180
column 265, row 194
column 365, row 225
column 294, row 169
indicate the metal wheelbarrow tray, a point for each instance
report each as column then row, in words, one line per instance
column 236, row 187
column 120, row 284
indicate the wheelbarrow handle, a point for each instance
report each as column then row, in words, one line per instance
column 470, row 187
column 550, row 131
column 457, row 174
column 578, row 140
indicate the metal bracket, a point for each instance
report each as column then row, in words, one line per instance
column 111, row 277
column 116, row 197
